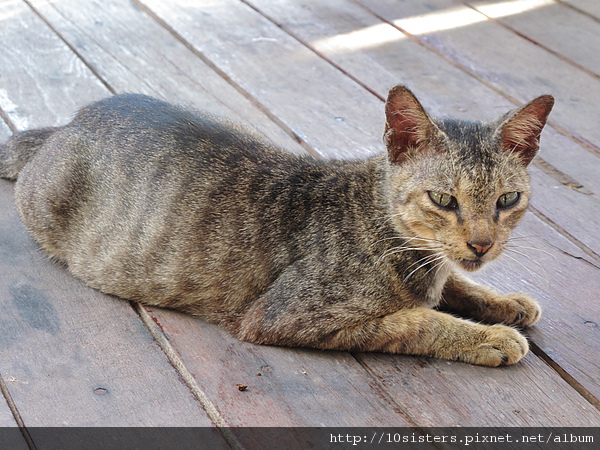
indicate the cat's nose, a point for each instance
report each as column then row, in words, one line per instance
column 480, row 248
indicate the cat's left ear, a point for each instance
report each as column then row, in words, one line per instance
column 520, row 129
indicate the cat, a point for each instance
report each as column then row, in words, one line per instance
column 174, row 208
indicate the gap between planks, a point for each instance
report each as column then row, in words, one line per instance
column 579, row 10
column 576, row 385
column 187, row 377
column 503, row 24
column 15, row 412
column 227, row 78
column 71, row 47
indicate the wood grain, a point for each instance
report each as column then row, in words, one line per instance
column 503, row 59
column 307, row 94
column 132, row 53
column 38, row 71
column 285, row 387
column 589, row 6
column 442, row 393
column 553, row 25
column 77, row 357
column 6, row 416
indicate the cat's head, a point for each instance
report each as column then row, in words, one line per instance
column 460, row 187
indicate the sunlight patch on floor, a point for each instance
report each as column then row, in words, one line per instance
column 462, row 16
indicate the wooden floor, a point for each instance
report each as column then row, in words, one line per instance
column 311, row 75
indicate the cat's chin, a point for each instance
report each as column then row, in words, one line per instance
column 470, row 265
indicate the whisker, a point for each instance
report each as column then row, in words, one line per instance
column 536, row 249
column 520, row 263
column 524, row 255
column 438, row 264
column 405, row 239
column 400, row 249
column 437, row 257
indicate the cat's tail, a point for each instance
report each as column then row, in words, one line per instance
column 19, row 149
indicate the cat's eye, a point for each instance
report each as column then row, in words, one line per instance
column 507, row 200
column 444, row 200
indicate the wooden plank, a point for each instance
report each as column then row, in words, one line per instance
column 33, row 69
column 553, row 25
column 562, row 278
column 305, row 93
column 503, row 59
column 285, row 387
column 589, row 6
column 132, row 53
column 80, row 358
column 6, row 416
column 508, row 397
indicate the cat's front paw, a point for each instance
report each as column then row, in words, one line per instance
column 501, row 345
column 520, row 310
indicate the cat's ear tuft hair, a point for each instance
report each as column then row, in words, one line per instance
column 407, row 125
column 521, row 129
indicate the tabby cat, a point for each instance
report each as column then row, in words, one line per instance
column 174, row 208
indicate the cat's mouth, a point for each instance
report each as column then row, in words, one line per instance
column 470, row 265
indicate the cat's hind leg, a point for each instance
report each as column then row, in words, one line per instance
column 470, row 299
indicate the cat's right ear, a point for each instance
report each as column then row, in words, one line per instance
column 407, row 125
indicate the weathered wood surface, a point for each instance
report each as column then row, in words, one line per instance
column 592, row 7
column 286, row 387
column 37, row 68
column 555, row 26
column 73, row 356
column 503, row 60
column 271, row 66
column 311, row 76
column 131, row 53
column 6, row 416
